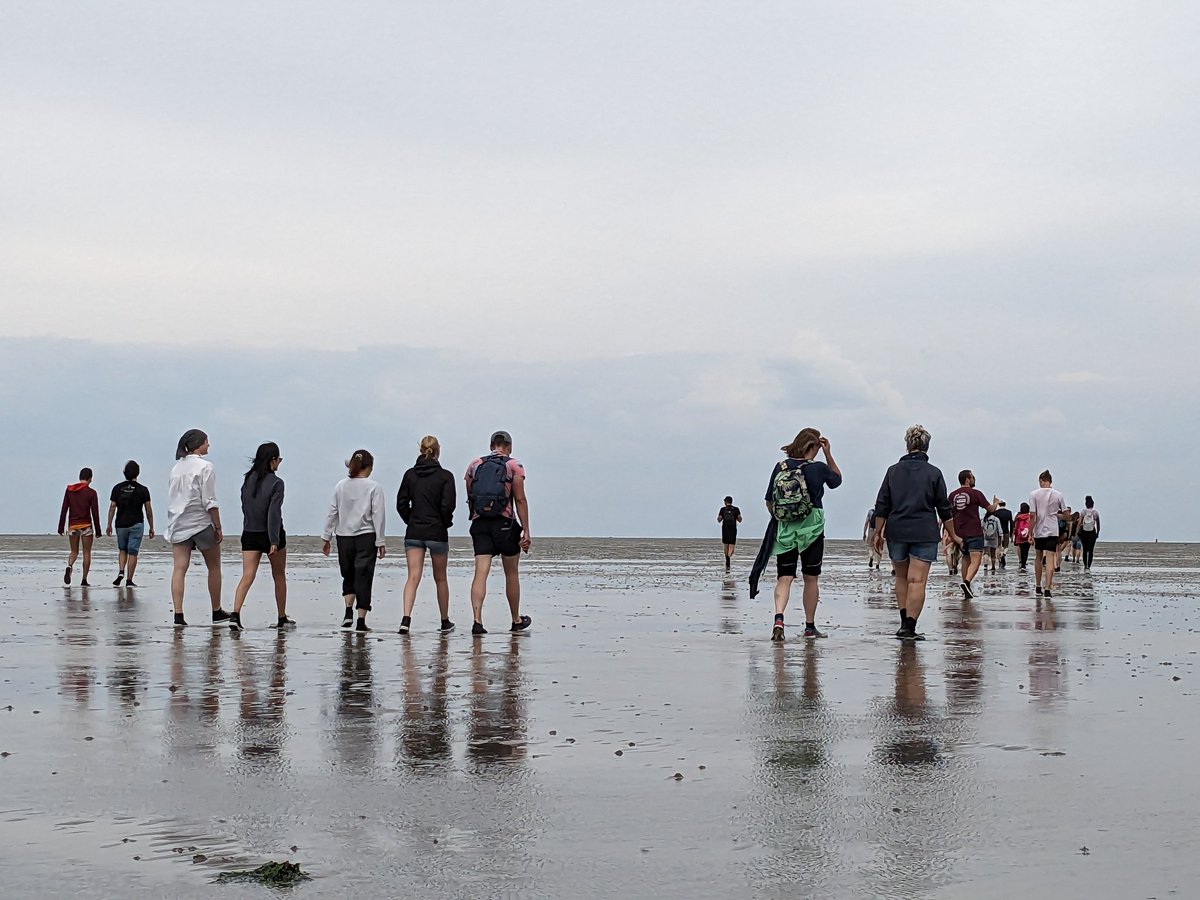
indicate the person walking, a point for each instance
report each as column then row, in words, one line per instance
column 425, row 502
column 993, row 533
column 1004, row 514
column 1089, row 531
column 80, row 518
column 499, row 526
column 795, row 500
column 262, row 532
column 194, row 522
column 1047, row 513
column 130, row 502
column 1023, row 535
column 729, row 516
column 868, row 538
column 356, row 518
column 967, row 502
column 911, row 500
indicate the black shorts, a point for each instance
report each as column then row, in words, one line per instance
column 260, row 542
column 810, row 560
column 496, row 537
column 728, row 537
column 1046, row 543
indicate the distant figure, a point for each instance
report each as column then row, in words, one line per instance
column 356, row 517
column 868, row 537
column 1004, row 514
column 1076, row 540
column 993, row 533
column 966, row 503
column 425, row 502
column 1047, row 514
column 80, row 517
column 1089, row 531
column 911, row 500
column 194, row 521
column 1064, row 539
column 794, row 499
column 262, row 532
column 499, row 526
column 952, row 550
column 1023, row 534
column 729, row 516
column 130, row 501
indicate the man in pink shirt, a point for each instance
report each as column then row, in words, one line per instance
column 499, row 526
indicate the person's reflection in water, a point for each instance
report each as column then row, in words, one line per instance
column 730, row 621
column 126, row 677
column 425, row 726
column 496, row 731
column 1047, row 684
column 911, row 740
column 962, row 625
column 260, row 727
column 193, row 709
column 210, row 695
column 356, row 735
column 78, row 639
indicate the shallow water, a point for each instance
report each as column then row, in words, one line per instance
column 142, row 762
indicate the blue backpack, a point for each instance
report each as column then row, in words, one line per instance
column 490, row 487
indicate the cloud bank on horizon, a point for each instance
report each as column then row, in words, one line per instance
column 653, row 240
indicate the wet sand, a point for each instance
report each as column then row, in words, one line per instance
column 141, row 762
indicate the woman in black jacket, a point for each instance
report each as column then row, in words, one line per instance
column 426, row 504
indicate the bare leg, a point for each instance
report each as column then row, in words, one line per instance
column 122, row 561
column 73, row 541
column 901, row 586
column 181, row 556
column 971, row 563
column 439, row 564
column 812, row 595
column 479, row 585
column 783, row 593
column 1037, row 566
column 916, row 576
column 279, row 576
column 212, row 559
column 130, row 566
column 415, row 558
column 512, row 584
column 1048, row 566
column 250, row 561
column 87, row 555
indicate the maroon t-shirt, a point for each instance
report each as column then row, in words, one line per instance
column 966, row 503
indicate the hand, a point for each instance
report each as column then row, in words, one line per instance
column 220, row 536
column 879, row 545
column 274, row 549
column 151, row 535
column 108, row 531
column 526, row 543
column 382, row 551
column 325, row 547
column 825, row 445
column 959, row 541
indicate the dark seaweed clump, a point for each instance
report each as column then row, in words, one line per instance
column 272, row 873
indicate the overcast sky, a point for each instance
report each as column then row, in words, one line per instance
column 652, row 240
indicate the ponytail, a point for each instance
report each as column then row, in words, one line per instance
column 359, row 462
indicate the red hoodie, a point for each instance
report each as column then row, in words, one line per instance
column 83, row 504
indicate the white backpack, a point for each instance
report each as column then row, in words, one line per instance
column 1088, row 522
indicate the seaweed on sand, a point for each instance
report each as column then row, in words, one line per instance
column 272, row 873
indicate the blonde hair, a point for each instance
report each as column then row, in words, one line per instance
column 805, row 440
column 917, row 438
column 430, row 448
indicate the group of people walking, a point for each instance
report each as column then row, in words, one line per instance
column 355, row 524
column 914, row 516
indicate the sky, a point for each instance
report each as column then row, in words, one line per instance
column 651, row 240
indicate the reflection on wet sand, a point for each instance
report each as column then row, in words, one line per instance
column 355, row 729
column 425, row 739
column 1047, row 683
column 730, row 615
column 496, row 725
column 126, row 676
column 77, row 672
column 909, row 735
column 261, row 733
column 194, row 708
column 964, row 656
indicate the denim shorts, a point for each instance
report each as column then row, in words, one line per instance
column 129, row 540
column 901, row 551
column 973, row 544
column 435, row 548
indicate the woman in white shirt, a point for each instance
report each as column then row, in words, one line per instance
column 356, row 518
column 194, row 521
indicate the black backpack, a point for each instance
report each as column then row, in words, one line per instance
column 490, row 487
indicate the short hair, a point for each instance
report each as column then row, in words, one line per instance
column 1045, row 476
column 728, row 499
column 132, row 470
column 963, row 476
column 1024, row 507
column 917, row 438
column 85, row 474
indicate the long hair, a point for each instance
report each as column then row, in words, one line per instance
column 261, row 467
column 192, row 439
column 805, row 440
column 430, row 448
column 359, row 462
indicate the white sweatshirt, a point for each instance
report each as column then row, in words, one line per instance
column 357, row 508
column 193, row 492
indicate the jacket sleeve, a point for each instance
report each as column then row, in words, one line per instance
column 404, row 498
column 96, row 512
column 331, row 519
column 62, row 515
column 940, row 501
column 379, row 515
column 275, row 514
column 448, row 500
column 883, row 500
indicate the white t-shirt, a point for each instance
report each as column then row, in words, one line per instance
column 1046, row 504
column 357, row 508
column 192, row 493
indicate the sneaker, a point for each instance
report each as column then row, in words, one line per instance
column 84, row 583
column 910, row 634
column 67, row 576
column 777, row 630
column 522, row 625
column 810, row 631
column 235, row 622
column 447, row 625
column 1038, row 591
column 117, row 581
column 284, row 622
column 220, row 617
column 966, row 589
column 405, row 624
column 348, row 619
column 1046, row 593
column 900, row 632
column 361, row 625
column 179, row 623
column 129, row 584
column 477, row 628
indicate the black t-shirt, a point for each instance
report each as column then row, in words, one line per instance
column 729, row 516
column 130, row 498
column 1004, row 514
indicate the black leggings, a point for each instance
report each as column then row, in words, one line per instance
column 356, row 557
column 1089, row 546
column 1024, row 551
